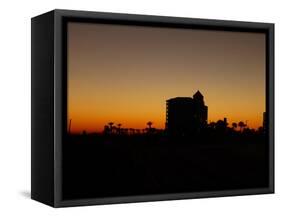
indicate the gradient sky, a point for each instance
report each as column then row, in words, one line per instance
column 125, row 74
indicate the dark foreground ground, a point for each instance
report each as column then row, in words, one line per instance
column 100, row 166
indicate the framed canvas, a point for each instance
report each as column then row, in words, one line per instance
column 131, row 108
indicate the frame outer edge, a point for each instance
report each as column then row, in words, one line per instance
column 57, row 108
column 271, row 63
column 58, row 76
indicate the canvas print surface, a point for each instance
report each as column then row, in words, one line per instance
column 163, row 110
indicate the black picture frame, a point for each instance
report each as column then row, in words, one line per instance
column 49, row 90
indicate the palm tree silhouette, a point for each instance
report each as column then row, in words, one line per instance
column 241, row 125
column 234, row 125
column 110, row 126
column 119, row 128
column 149, row 124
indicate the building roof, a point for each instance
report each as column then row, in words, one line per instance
column 177, row 99
column 198, row 93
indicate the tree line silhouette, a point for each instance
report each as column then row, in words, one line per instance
column 220, row 126
column 116, row 129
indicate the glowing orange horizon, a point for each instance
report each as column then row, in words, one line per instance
column 97, row 124
column 125, row 74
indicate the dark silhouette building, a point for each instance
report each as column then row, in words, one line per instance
column 186, row 115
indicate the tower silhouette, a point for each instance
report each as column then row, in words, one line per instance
column 186, row 115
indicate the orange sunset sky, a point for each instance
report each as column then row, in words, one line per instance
column 125, row 74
